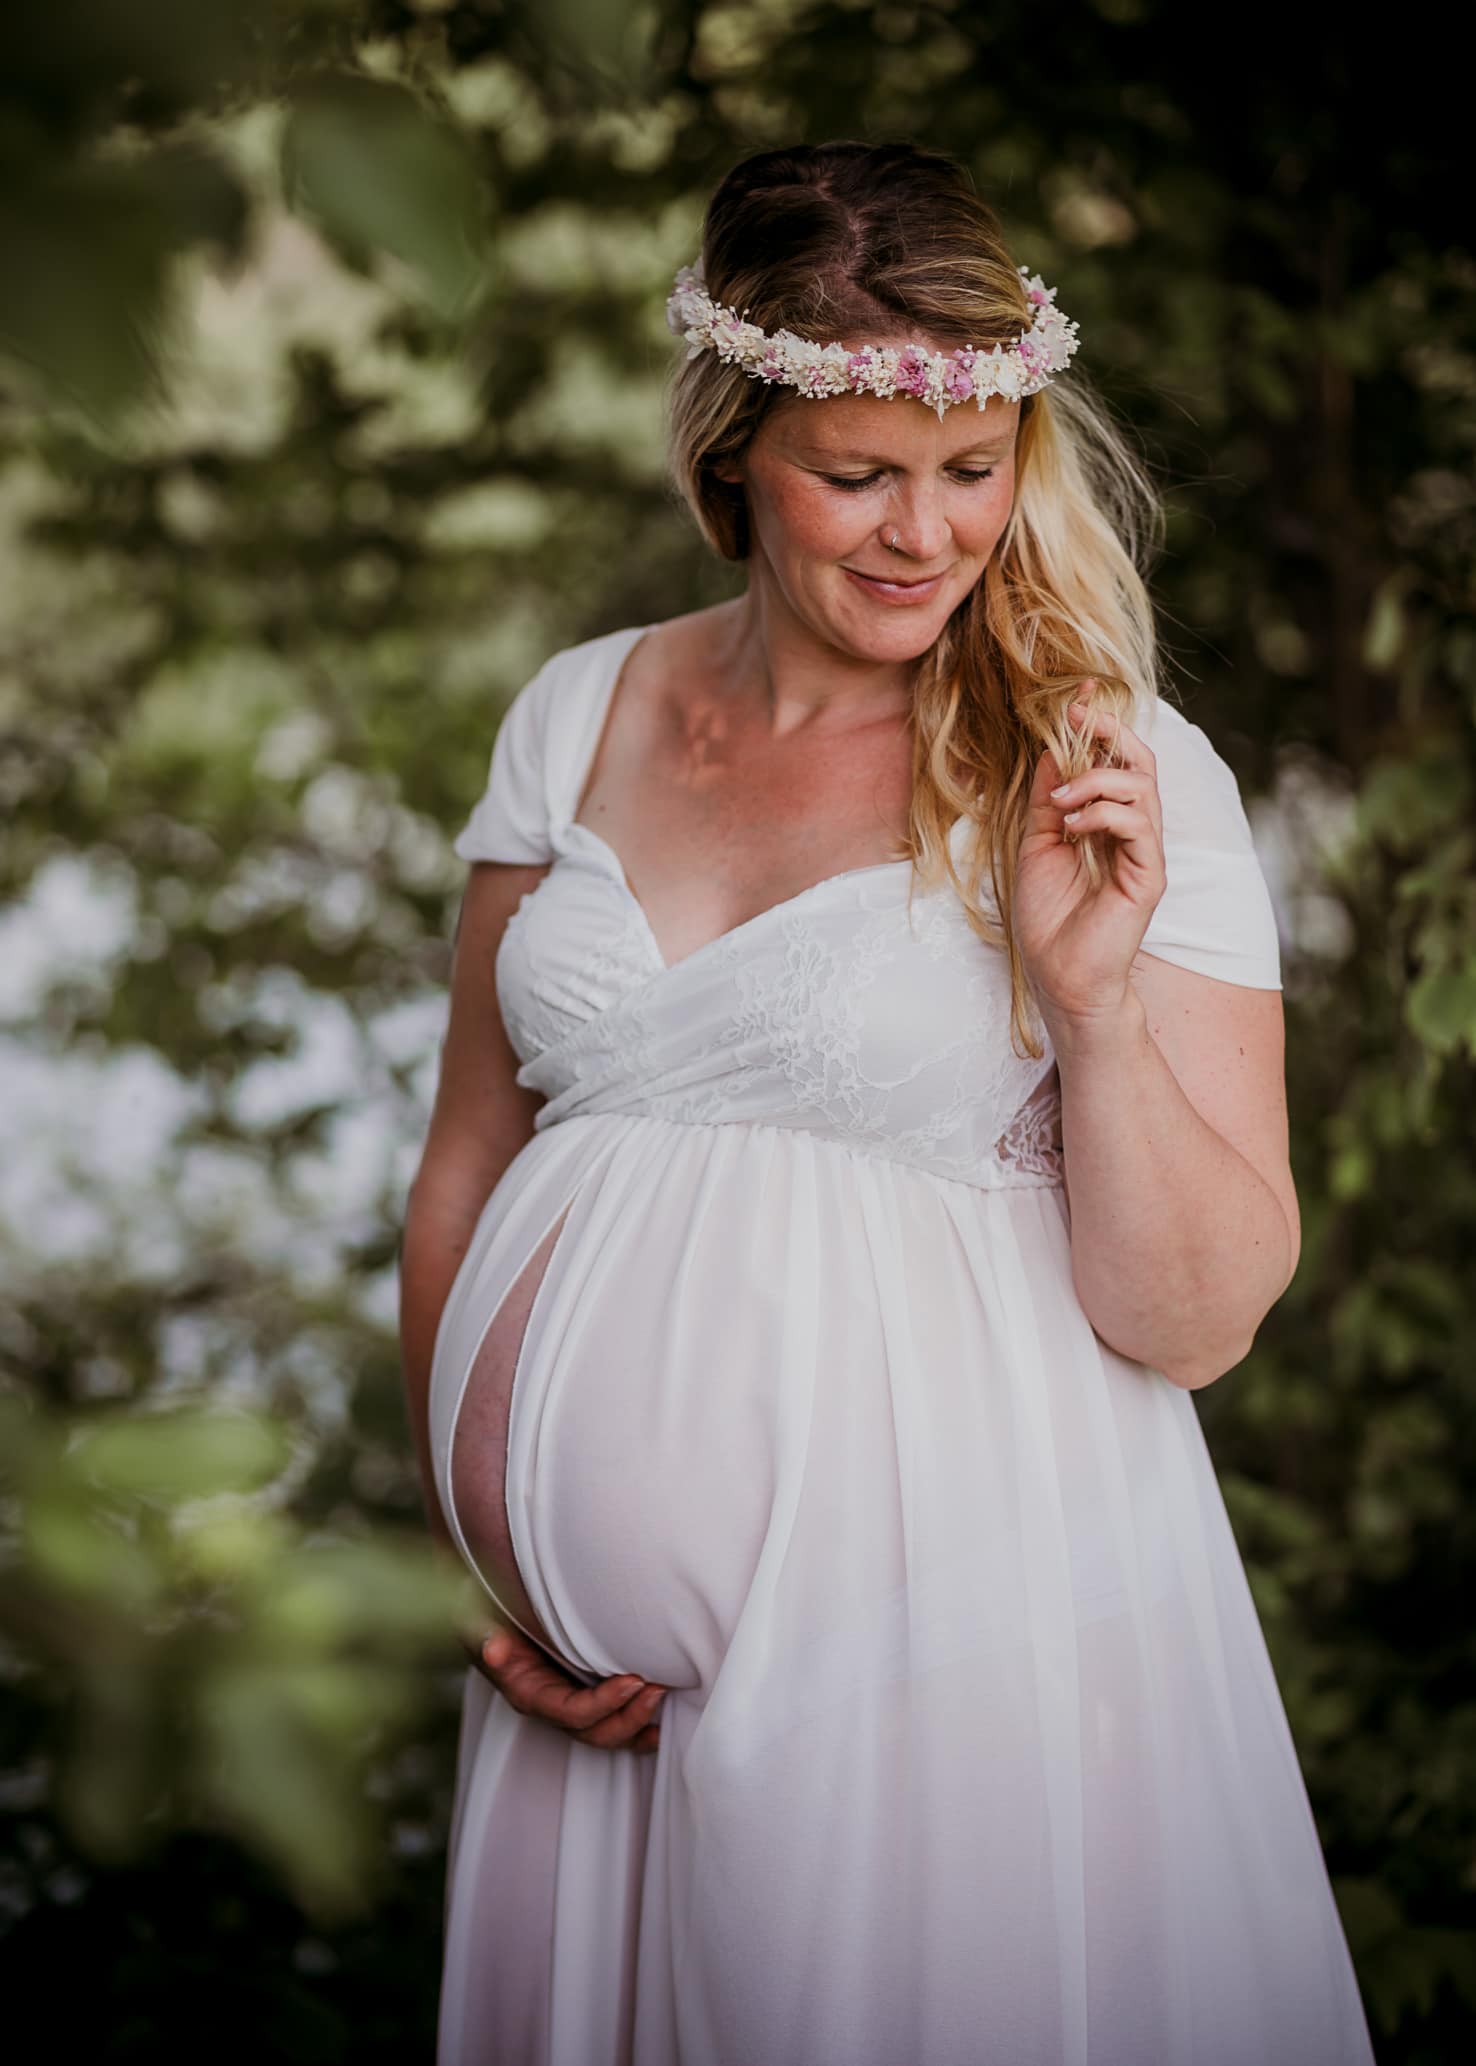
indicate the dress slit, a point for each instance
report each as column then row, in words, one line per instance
column 496, row 1368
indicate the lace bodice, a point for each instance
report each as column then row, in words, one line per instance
column 843, row 1010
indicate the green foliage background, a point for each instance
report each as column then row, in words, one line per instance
column 330, row 364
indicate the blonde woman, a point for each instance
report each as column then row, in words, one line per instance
column 861, row 1126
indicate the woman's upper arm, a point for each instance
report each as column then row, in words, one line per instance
column 1208, row 968
column 1226, row 1044
column 481, row 1116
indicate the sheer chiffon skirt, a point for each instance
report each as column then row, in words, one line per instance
column 974, row 1750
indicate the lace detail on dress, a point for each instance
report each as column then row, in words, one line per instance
column 1032, row 1141
column 845, row 1013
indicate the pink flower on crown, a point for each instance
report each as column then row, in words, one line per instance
column 911, row 377
column 958, row 380
column 727, row 332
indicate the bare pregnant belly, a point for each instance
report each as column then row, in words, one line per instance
column 648, row 1488
column 479, row 1447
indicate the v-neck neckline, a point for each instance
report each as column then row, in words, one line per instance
column 602, row 848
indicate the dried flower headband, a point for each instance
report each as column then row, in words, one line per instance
column 940, row 379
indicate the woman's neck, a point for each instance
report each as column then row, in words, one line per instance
column 766, row 655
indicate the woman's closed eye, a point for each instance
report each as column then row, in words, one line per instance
column 869, row 480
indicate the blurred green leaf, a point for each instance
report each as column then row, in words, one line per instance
column 1441, row 1007
column 605, row 46
column 84, row 52
column 361, row 1592
column 1403, row 801
column 370, row 163
column 86, row 253
column 181, row 1454
column 88, row 1553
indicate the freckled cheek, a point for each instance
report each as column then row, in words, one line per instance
column 984, row 526
column 810, row 526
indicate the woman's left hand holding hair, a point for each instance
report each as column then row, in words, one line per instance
column 1077, row 941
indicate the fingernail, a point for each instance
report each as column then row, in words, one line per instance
column 1061, row 789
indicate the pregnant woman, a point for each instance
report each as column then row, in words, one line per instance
column 861, row 1127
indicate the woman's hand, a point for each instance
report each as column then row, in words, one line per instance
column 613, row 1715
column 1078, row 942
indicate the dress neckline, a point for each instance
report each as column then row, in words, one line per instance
column 569, row 827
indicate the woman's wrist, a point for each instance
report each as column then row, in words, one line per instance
column 1114, row 1030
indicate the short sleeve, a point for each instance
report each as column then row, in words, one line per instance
column 1215, row 915
column 511, row 818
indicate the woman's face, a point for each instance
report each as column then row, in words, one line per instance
column 830, row 481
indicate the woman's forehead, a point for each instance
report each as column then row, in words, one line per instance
column 867, row 428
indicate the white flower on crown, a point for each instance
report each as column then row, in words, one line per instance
column 940, row 379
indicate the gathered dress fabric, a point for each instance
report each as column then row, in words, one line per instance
column 974, row 1754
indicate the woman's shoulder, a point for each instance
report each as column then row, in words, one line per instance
column 559, row 677
column 536, row 740
column 669, row 638
column 1216, row 914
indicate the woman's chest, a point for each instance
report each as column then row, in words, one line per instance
column 849, row 1010
column 706, row 848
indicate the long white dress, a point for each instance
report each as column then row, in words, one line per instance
column 974, row 1751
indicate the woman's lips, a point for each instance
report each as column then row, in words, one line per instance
column 896, row 591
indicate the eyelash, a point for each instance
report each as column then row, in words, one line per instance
column 868, row 480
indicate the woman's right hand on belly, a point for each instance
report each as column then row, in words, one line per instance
column 614, row 1715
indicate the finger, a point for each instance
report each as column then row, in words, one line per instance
column 1040, row 812
column 503, row 1646
column 545, row 1692
column 1048, row 772
column 533, row 1684
column 623, row 1728
column 1127, row 785
column 1130, row 826
column 1098, row 722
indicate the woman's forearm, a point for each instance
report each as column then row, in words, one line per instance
column 1179, row 1247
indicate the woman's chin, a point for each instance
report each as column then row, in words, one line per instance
column 885, row 632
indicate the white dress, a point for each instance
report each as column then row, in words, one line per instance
column 974, row 1754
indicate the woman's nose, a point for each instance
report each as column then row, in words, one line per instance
column 917, row 526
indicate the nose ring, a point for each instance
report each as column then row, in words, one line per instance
column 892, row 545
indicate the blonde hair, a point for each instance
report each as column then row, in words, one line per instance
column 850, row 239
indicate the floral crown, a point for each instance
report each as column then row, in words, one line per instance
column 938, row 378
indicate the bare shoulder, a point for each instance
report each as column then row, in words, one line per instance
column 668, row 682
column 679, row 651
